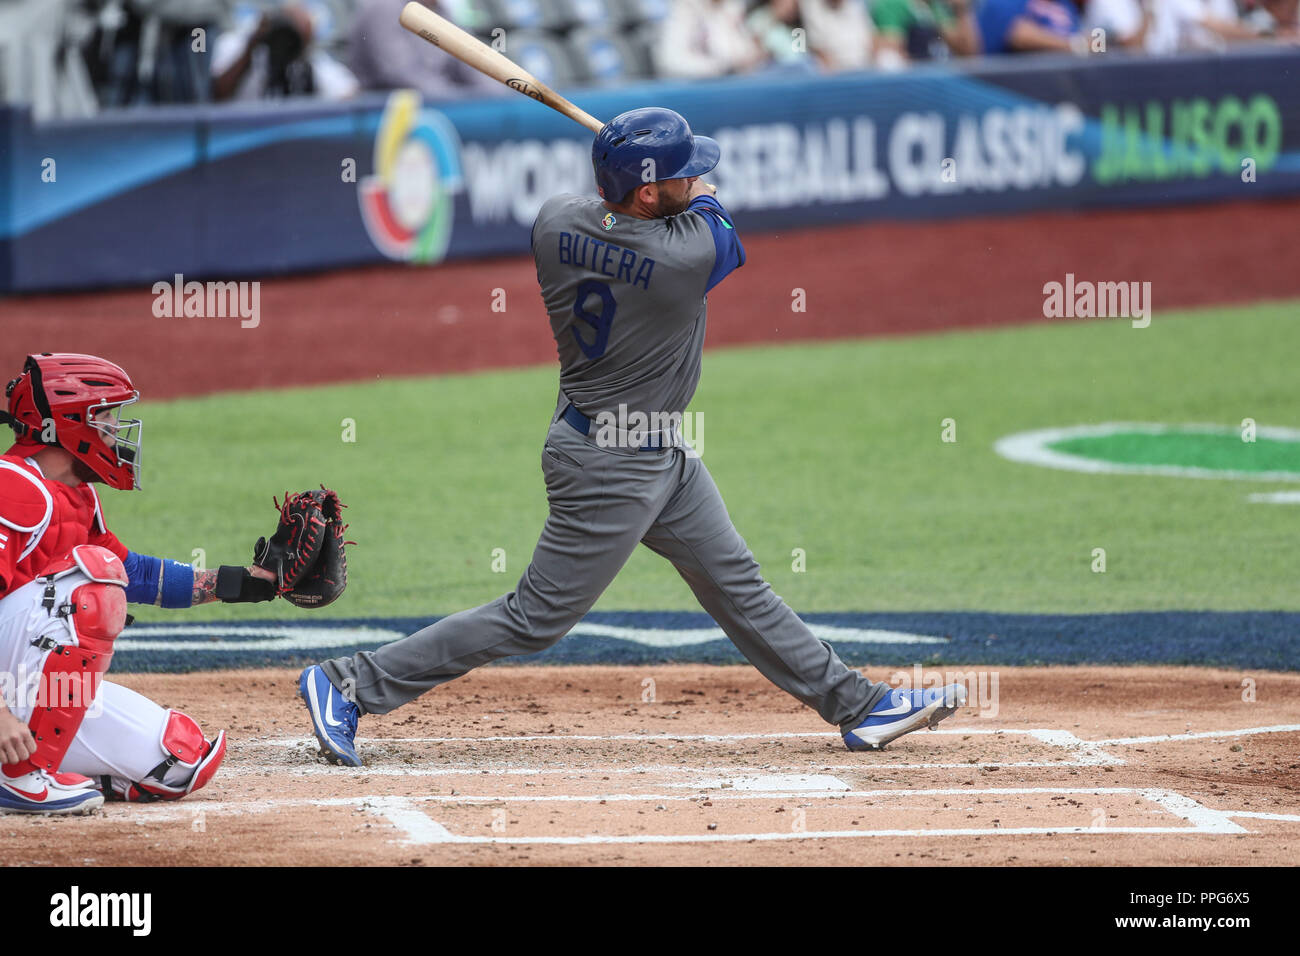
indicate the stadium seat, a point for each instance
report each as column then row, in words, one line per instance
column 477, row 16
column 608, row 57
column 544, row 56
column 644, row 39
column 621, row 13
column 591, row 13
column 645, row 11
column 518, row 14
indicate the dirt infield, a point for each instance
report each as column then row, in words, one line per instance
column 861, row 279
column 572, row 765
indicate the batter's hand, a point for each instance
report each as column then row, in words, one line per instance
column 16, row 742
column 701, row 188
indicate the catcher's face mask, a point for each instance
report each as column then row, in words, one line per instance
column 123, row 437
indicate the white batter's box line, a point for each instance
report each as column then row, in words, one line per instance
column 807, row 835
column 1199, row 735
column 1202, row 820
column 572, row 770
column 418, row 828
column 1059, row 738
column 532, row 738
column 1084, row 753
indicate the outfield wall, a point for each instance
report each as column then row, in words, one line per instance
column 254, row 191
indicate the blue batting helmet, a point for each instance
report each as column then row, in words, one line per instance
column 626, row 142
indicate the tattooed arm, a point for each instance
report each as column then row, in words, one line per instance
column 163, row 582
column 205, row 588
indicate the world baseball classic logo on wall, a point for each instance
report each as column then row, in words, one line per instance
column 408, row 203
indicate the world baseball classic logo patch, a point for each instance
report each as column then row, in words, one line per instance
column 408, row 202
column 608, row 221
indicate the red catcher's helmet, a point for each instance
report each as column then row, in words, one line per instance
column 75, row 401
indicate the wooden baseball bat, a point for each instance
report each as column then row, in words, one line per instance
column 444, row 34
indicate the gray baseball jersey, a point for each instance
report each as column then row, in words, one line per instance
column 626, row 298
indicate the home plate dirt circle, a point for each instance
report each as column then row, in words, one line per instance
column 572, row 765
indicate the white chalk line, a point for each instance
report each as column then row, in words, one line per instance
column 1202, row 819
column 571, row 770
column 1084, row 753
column 1255, row 815
column 1198, row 735
column 1047, row 735
column 807, row 835
column 597, row 738
column 419, row 829
column 1087, row 752
column 1200, row 816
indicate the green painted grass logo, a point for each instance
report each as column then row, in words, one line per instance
column 1257, row 453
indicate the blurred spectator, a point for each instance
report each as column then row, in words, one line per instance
column 1279, row 19
column 704, row 38
column 839, row 33
column 920, row 29
column 1187, row 25
column 152, row 51
column 835, row 34
column 1125, row 24
column 385, row 56
column 1028, row 26
column 40, row 60
column 273, row 56
column 773, row 23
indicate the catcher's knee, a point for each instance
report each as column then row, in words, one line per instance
column 96, row 610
column 99, row 614
column 190, row 761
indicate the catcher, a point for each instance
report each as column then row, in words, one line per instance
column 69, row 739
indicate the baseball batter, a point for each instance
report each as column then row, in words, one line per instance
column 68, row 738
column 625, row 280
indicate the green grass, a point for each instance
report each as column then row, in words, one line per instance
column 1206, row 450
column 832, row 448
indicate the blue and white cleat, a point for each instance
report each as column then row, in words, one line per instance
column 903, row 711
column 333, row 717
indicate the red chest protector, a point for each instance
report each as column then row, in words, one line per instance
column 41, row 520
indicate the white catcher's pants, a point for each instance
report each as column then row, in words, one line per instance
column 122, row 732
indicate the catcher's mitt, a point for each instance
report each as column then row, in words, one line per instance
column 307, row 553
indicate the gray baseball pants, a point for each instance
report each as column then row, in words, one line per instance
column 603, row 502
